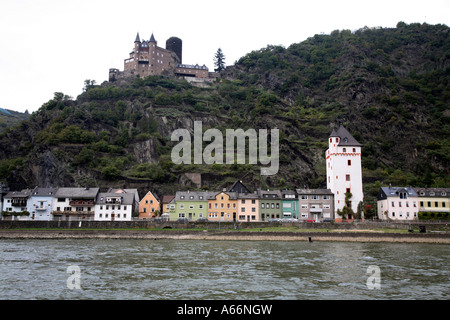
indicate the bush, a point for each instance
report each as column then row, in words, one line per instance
column 425, row 215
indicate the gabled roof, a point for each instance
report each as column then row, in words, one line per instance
column 126, row 198
column 345, row 138
column 239, row 187
column 386, row 192
column 269, row 194
column 314, row 191
column 24, row 193
column 167, row 198
column 196, row 195
column 44, row 192
column 77, row 192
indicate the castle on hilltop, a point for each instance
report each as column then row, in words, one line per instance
column 147, row 59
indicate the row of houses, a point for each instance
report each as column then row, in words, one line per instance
column 236, row 204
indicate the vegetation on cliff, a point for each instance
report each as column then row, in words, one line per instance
column 388, row 87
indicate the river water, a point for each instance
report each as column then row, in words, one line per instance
column 247, row 270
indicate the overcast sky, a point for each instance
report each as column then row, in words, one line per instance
column 49, row 46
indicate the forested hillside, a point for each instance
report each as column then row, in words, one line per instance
column 388, row 87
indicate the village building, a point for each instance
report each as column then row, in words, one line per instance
column 74, row 203
column 190, row 205
column 269, row 204
column 433, row 199
column 315, row 205
column 40, row 204
column 149, row 206
column 113, row 206
column 289, row 204
column 248, row 207
column 15, row 205
column 397, row 203
column 223, row 206
column 167, row 201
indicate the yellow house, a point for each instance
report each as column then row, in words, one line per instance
column 223, row 207
column 434, row 199
column 149, row 206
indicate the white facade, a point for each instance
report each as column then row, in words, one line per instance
column 14, row 203
column 344, row 172
column 114, row 207
column 40, row 204
column 397, row 203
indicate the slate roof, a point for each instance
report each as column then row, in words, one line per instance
column 386, row 192
column 77, row 192
column 126, row 198
column 345, row 138
column 433, row 192
column 195, row 195
column 44, row 192
column 314, row 192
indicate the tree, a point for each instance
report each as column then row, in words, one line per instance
column 347, row 211
column 88, row 84
column 219, row 60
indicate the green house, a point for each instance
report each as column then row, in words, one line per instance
column 269, row 204
column 289, row 204
column 192, row 205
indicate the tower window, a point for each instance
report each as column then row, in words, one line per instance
column 347, row 177
column 349, row 162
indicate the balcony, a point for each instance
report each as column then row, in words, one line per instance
column 19, row 203
column 59, row 213
column 77, row 203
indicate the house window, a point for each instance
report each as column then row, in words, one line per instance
column 243, row 201
column 354, row 150
column 347, row 177
column 304, row 197
column 344, row 149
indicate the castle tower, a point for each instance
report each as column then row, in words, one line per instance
column 344, row 172
column 175, row 44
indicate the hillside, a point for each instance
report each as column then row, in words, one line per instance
column 388, row 87
column 9, row 118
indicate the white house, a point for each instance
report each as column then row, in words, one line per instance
column 40, row 204
column 15, row 205
column 74, row 203
column 397, row 203
column 114, row 207
column 344, row 172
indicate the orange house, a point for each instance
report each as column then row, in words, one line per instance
column 149, row 206
column 223, row 207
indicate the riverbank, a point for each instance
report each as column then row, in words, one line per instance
column 236, row 235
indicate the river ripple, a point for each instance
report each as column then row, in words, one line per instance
column 171, row 269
